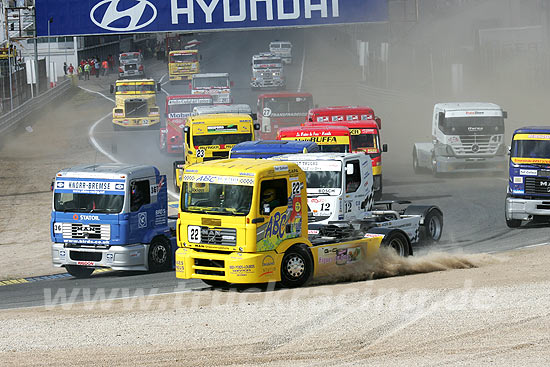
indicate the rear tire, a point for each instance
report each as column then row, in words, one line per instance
column 433, row 226
column 296, row 266
column 398, row 241
column 159, row 256
column 80, row 272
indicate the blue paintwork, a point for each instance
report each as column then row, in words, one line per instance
column 270, row 148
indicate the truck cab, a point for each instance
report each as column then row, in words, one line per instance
column 178, row 108
column 466, row 137
column 263, row 149
column 267, row 72
column 281, row 109
column 240, row 108
column 111, row 216
column 245, row 221
column 135, row 104
column 335, row 139
column 282, row 49
column 217, row 85
column 528, row 192
column 131, row 65
column 210, row 137
column 183, row 64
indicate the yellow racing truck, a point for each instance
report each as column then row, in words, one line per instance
column 183, row 64
column 246, row 221
column 135, row 104
column 208, row 137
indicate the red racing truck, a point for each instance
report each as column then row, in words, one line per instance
column 283, row 109
column 335, row 139
column 178, row 108
column 364, row 128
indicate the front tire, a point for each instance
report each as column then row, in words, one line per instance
column 398, row 241
column 159, row 255
column 80, row 272
column 296, row 267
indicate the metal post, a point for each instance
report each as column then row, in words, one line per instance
column 36, row 73
column 9, row 73
column 48, row 67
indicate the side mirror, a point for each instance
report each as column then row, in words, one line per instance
column 384, row 148
column 504, row 114
column 186, row 129
column 200, row 57
column 112, row 88
column 232, row 83
column 349, row 169
column 190, row 85
column 256, row 126
column 509, row 150
column 158, row 87
column 378, row 122
column 266, row 209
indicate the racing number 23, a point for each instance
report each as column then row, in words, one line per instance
column 200, row 153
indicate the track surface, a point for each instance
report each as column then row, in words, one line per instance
column 473, row 206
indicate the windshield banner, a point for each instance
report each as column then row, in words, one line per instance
column 312, row 166
column 90, row 186
column 147, row 16
column 532, row 137
column 223, row 180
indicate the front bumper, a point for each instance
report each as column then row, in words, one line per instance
column 131, row 73
column 131, row 257
column 488, row 164
column 234, row 267
column 275, row 83
column 137, row 122
column 526, row 209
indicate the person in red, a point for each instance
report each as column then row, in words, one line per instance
column 71, row 69
column 92, row 64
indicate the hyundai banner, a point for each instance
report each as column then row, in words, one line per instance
column 87, row 17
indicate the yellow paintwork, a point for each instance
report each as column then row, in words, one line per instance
column 377, row 170
column 119, row 113
column 532, row 136
column 183, row 70
column 203, row 125
column 260, row 247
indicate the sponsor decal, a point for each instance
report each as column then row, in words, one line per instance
column 142, row 220
column 227, row 180
column 242, row 270
column 528, row 172
column 281, row 168
column 85, row 263
column 106, row 15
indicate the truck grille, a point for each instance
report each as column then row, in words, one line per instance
column 219, row 236
column 475, row 145
column 136, row 108
column 130, row 67
column 211, row 264
column 537, row 185
column 220, row 154
column 85, row 256
column 80, row 231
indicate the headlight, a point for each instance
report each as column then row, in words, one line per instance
column 444, row 150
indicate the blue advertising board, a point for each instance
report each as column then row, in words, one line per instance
column 88, row 17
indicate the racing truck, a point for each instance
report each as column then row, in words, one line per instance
column 528, row 192
column 130, row 65
column 267, row 71
column 339, row 188
column 135, row 104
column 263, row 149
column 111, row 216
column 282, row 49
column 246, row 221
column 364, row 127
column 178, row 108
column 281, row 109
column 217, row 85
column 183, row 64
column 329, row 138
column 209, row 137
column 466, row 137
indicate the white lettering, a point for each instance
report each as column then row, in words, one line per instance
column 208, row 9
column 295, row 10
column 335, row 9
column 322, row 7
column 268, row 8
column 188, row 10
column 234, row 18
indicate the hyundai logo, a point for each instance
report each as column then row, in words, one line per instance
column 104, row 17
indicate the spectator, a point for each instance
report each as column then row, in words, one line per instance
column 71, row 69
column 97, row 67
column 65, row 68
column 105, row 67
column 111, row 62
column 80, row 71
column 87, row 70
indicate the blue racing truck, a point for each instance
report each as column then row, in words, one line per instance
column 263, row 149
column 528, row 193
column 111, row 216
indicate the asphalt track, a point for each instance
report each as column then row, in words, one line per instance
column 473, row 205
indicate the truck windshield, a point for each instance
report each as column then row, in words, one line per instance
column 220, row 139
column 129, row 58
column 216, row 198
column 486, row 125
column 319, row 180
column 88, row 203
column 185, row 107
column 258, row 63
column 296, row 105
column 140, row 88
column 183, row 58
column 367, row 143
column 531, row 149
column 334, row 148
column 212, row 82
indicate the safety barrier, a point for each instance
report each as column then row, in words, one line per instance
column 12, row 119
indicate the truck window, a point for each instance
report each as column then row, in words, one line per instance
column 353, row 181
column 139, row 195
column 273, row 193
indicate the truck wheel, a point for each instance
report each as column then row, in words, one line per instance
column 159, row 255
column 398, row 241
column 416, row 166
column 215, row 283
column 79, row 271
column 433, row 226
column 296, row 267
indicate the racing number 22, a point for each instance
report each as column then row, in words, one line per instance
column 194, row 234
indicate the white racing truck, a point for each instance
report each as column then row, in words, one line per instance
column 267, row 71
column 339, row 192
column 282, row 49
column 217, row 85
column 466, row 137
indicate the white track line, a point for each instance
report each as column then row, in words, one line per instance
column 101, row 94
column 302, row 72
